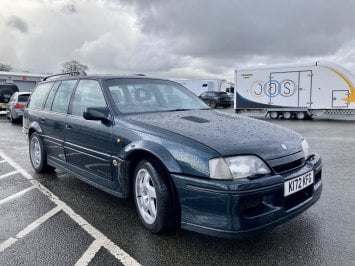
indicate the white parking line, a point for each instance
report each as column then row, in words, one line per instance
column 17, row 195
column 2, row 161
column 6, row 244
column 89, row 253
column 104, row 241
column 8, row 174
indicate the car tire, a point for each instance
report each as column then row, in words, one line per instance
column 287, row 115
column 301, row 115
column 38, row 156
column 213, row 104
column 11, row 120
column 153, row 197
column 274, row 115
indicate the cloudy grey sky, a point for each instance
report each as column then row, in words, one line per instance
column 175, row 38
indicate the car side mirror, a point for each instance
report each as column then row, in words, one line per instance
column 97, row 113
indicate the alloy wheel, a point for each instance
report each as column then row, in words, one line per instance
column 146, row 197
column 35, row 151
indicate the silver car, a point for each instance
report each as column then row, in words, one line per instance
column 16, row 105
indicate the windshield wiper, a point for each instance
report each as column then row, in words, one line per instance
column 179, row 109
column 186, row 109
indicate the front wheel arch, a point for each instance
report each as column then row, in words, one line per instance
column 140, row 155
column 152, row 149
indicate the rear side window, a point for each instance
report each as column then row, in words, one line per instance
column 87, row 94
column 51, row 95
column 39, row 95
column 23, row 97
column 62, row 97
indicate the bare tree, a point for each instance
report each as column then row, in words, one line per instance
column 73, row 65
column 4, row 67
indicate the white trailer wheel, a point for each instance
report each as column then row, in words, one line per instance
column 287, row 115
column 300, row 115
column 274, row 115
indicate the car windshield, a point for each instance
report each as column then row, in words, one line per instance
column 149, row 95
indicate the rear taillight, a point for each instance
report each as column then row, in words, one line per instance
column 19, row 106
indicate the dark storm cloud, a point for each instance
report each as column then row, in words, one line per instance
column 224, row 28
column 18, row 24
column 180, row 39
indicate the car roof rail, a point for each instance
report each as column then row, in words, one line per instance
column 139, row 75
column 70, row 73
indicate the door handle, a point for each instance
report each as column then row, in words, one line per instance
column 43, row 119
column 68, row 126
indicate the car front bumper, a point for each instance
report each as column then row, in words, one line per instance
column 245, row 207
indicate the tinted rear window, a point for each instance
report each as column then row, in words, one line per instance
column 6, row 92
column 23, row 97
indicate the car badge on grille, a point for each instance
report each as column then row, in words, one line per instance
column 284, row 147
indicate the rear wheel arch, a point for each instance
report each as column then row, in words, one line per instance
column 30, row 132
column 34, row 127
column 38, row 155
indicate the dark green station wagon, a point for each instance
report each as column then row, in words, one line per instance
column 183, row 163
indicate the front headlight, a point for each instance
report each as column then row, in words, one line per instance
column 237, row 167
column 305, row 148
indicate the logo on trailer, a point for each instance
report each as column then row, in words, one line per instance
column 256, row 89
column 272, row 88
column 287, row 88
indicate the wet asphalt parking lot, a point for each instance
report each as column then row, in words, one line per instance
column 58, row 220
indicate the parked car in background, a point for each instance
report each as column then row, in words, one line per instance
column 16, row 105
column 6, row 91
column 183, row 163
column 216, row 98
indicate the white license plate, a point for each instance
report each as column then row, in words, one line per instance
column 298, row 183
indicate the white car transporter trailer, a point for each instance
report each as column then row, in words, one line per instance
column 299, row 91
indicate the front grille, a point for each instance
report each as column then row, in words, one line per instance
column 289, row 166
column 251, row 207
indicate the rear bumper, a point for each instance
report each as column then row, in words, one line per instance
column 3, row 106
column 240, row 209
column 16, row 114
column 224, row 103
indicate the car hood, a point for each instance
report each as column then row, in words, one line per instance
column 227, row 134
